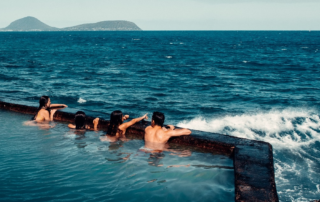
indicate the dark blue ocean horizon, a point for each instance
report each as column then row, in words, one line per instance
column 262, row 85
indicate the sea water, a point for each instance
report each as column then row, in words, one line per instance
column 60, row 164
column 262, row 85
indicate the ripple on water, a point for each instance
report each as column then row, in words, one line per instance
column 239, row 72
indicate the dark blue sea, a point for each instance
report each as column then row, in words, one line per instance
column 262, row 85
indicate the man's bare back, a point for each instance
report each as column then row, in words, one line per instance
column 161, row 135
column 157, row 136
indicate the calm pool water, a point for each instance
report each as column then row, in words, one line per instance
column 58, row 165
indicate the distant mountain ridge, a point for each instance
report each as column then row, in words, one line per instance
column 33, row 24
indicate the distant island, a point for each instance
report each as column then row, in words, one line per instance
column 29, row 24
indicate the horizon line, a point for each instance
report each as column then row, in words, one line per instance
column 272, row 30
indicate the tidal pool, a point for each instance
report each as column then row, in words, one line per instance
column 58, row 165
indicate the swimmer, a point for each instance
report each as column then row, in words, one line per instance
column 80, row 122
column 156, row 136
column 117, row 129
column 46, row 110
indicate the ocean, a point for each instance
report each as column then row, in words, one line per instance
column 262, row 85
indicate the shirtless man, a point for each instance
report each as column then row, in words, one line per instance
column 156, row 136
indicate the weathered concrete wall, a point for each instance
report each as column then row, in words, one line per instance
column 253, row 160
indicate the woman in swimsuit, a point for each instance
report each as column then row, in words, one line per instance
column 117, row 129
column 46, row 110
column 80, row 122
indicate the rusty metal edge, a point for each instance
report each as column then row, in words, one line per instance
column 250, row 156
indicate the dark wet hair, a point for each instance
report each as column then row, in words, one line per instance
column 115, row 122
column 158, row 118
column 80, row 120
column 43, row 105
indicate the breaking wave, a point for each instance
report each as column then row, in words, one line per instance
column 286, row 128
column 81, row 100
column 294, row 135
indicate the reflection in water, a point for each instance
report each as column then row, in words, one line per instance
column 213, row 166
column 79, row 138
column 115, row 145
column 156, row 153
column 80, row 134
column 108, row 138
column 183, row 153
column 151, row 147
column 155, row 158
column 120, row 159
column 178, row 166
column 81, row 145
column 152, row 180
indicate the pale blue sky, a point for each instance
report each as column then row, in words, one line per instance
column 171, row 14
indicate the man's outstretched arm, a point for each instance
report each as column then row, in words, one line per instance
column 179, row 132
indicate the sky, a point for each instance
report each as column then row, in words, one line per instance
column 171, row 14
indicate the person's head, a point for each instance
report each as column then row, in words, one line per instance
column 116, row 119
column 157, row 119
column 44, row 102
column 80, row 120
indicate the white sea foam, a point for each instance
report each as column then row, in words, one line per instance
column 288, row 128
column 82, row 100
column 291, row 132
column 168, row 56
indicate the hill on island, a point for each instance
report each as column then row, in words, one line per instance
column 29, row 24
column 33, row 24
column 104, row 26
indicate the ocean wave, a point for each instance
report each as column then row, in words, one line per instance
column 82, row 100
column 288, row 128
